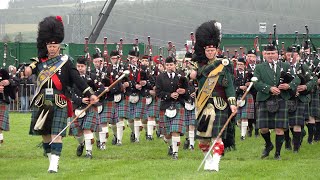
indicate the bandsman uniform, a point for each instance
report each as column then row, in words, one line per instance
column 88, row 122
column 274, row 81
column 216, row 93
column 171, row 89
column 51, row 103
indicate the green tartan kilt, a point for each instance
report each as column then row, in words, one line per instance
column 314, row 108
column 136, row 111
column 123, row 107
column 297, row 118
column 59, row 121
column 4, row 116
column 247, row 111
column 89, row 122
column 269, row 120
column 306, row 112
column 109, row 113
column 151, row 110
column 175, row 124
column 189, row 117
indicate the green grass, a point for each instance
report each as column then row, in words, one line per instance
column 21, row 159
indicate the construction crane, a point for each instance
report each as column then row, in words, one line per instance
column 103, row 16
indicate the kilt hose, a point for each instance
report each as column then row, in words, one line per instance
column 269, row 120
column 247, row 111
column 4, row 116
column 297, row 117
column 314, row 108
column 136, row 110
column 123, row 107
column 151, row 109
column 189, row 117
column 109, row 113
column 89, row 122
column 59, row 121
column 175, row 124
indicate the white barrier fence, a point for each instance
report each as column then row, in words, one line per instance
column 23, row 98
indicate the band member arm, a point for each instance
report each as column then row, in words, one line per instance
column 294, row 83
column 88, row 92
column 313, row 82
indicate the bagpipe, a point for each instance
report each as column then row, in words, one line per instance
column 87, row 56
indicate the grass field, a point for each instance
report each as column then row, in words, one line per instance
column 20, row 158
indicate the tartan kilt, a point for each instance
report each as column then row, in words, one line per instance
column 161, row 122
column 306, row 112
column 247, row 111
column 4, row 116
column 123, row 107
column 175, row 124
column 314, row 107
column 151, row 109
column 158, row 103
column 189, row 117
column 297, row 117
column 272, row 120
column 89, row 122
column 109, row 113
column 59, row 121
column 220, row 120
column 136, row 110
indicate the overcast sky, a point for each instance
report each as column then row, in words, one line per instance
column 4, row 3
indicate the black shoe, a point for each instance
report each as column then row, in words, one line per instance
column 266, row 151
column 288, row 145
column 277, row 156
column 250, row 133
column 256, row 133
column 80, row 149
column 191, row 148
column 242, row 138
column 175, row 156
column 158, row 133
column 98, row 144
column 132, row 137
column 186, row 144
column 310, row 140
column 295, row 150
column 149, row 138
column 114, row 140
column 170, row 151
column 89, row 154
column 51, row 171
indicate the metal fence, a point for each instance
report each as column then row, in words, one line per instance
column 24, row 95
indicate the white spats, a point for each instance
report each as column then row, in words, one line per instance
column 120, row 126
column 244, row 126
column 191, row 138
column 215, row 162
column 150, row 125
column 88, row 138
column 208, row 163
column 137, row 124
column 103, row 134
column 1, row 138
column 49, row 157
column 53, row 167
column 175, row 143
